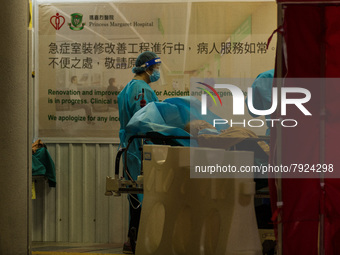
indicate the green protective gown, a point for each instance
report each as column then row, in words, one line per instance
column 262, row 94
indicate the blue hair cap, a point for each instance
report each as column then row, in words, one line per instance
column 142, row 59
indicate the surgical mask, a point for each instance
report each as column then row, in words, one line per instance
column 155, row 75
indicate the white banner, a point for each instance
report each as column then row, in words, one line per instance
column 85, row 52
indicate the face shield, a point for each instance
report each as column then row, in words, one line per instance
column 156, row 64
column 155, row 61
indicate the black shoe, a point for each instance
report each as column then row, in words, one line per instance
column 127, row 248
column 133, row 239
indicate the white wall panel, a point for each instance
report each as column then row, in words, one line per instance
column 89, row 189
column 77, row 209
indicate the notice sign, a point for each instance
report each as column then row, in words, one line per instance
column 85, row 53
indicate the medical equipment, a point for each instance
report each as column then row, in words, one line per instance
column 116, row 186
column 185, row 215
column 172, row 180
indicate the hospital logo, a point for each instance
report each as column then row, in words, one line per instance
column 76, row 22
column 204, row 97
column 57, row 21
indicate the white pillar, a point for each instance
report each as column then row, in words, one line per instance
column 15, row 146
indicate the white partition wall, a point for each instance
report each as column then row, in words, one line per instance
column 77, row 209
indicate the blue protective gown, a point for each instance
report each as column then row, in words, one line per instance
column 128, row 106
column 262, row 94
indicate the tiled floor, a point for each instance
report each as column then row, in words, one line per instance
column 51, row 248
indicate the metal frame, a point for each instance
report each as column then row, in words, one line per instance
column 117, row 185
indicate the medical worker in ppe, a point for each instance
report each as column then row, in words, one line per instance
column 262, row 100
column 262, row 94
column 130, row 100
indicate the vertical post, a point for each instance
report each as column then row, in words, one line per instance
column 279, row 60
column 322, row 126
column 15, row 150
